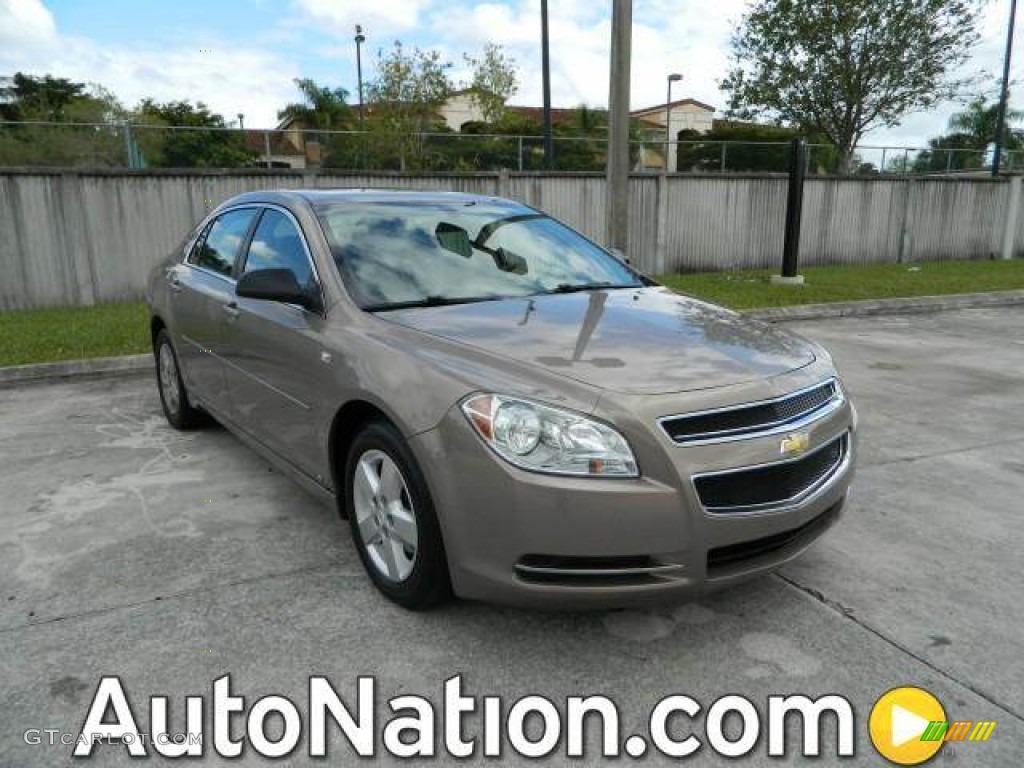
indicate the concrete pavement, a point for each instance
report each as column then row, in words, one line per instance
column 169, row 559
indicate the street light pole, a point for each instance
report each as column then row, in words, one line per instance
column 549, row 148
column 1004, row 94
column 675, row 77
column 618, row 126
column 360, row 39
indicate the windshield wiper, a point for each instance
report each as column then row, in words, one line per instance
column 428, row 301
column 579, row 287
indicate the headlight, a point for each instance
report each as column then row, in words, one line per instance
column 545, row 439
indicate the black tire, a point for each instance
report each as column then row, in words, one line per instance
column 177, row 408
column 428, row 583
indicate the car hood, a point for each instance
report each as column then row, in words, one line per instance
column 636, row 341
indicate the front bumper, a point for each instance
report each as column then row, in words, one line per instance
column 529, row 539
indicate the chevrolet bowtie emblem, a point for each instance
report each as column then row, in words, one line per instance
column 794, row 444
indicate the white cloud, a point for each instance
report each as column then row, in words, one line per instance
column 25, row 23
column 229, row 79
column 668, row 36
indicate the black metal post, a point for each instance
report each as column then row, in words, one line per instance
column 997, row 155
column 549, row 147
column 794, row 208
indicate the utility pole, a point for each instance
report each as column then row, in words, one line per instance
column 675, row 77
column 618, row 126
column 1004, row 94
column 360, row 39
column 549, row 148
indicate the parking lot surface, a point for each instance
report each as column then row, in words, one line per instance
column 170, row 559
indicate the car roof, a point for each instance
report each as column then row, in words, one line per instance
column 315, row 197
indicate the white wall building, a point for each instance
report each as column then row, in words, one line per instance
column 683, row 115
column 461, row 108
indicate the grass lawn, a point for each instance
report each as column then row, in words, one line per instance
column 46, row 335
column 749, row 289
column 106, row 330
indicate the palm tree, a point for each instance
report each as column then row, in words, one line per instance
column 322, row 107
column 978, row 121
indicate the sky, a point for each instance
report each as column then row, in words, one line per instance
column 241, row 56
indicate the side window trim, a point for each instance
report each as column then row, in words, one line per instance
column 243, row 247
column 244, row 253
column 238, row 268
column 197, row 242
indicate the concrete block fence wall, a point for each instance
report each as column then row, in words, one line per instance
column 82, row 237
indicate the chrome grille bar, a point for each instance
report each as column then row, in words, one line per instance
column 755, row 419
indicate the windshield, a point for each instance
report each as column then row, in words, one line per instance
column 392, row 255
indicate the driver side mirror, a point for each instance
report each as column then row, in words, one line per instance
column 619, row 254
column 276, row 285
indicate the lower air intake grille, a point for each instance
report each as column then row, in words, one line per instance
column 724, row 558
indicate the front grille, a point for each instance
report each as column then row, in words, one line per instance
column 771, row 484
column 746, row 419
column 721, row 558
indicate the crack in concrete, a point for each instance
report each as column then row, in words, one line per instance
column 848, row 613
column 171, row 596
column 940, row 454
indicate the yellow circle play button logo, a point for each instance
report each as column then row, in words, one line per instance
column 898, row 721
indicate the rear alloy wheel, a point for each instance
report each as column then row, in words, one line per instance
column 173, row 395
column 393, row 522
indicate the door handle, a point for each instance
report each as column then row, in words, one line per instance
column 231, row 310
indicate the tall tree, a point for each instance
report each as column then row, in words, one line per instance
column 56, row 99
column 843, row 67
column 494, row 81
column 405, row 96
column 321, row 107
column 25, row 97
column 69, row 104
column 191, row 147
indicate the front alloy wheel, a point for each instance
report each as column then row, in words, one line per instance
column 385, row 518
column 394, row 526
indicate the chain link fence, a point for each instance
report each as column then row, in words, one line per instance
column 105, row 145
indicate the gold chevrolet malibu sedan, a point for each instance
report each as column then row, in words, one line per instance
column 501, row 409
